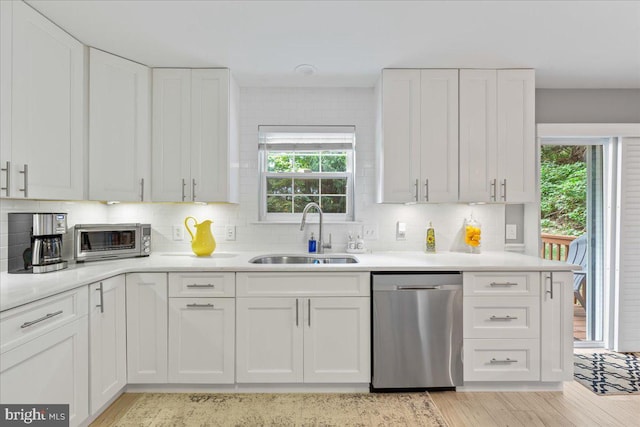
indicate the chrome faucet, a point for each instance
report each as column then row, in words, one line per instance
column 321, row 245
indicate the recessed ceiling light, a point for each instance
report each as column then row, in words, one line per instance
column 305, row 69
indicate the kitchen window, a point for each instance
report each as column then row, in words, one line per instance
column 303, row 164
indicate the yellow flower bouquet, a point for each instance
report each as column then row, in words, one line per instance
column 472, row 235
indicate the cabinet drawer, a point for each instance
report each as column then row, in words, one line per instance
column 24, row 323
column 501, row 317
column 507, row 283
column 302, row 284
column 203, row 284
column 501, row 360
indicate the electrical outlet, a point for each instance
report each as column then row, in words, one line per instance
column 230, row 233
column 370, row 231
column 178, row 232
column 401, row 230
column 511, row 232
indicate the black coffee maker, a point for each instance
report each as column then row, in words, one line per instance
column 35, row 242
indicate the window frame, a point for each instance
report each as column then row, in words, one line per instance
column 265, row 148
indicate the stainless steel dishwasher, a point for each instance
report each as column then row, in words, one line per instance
column 417, row 330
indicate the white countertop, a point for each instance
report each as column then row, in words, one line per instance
column 19, row 289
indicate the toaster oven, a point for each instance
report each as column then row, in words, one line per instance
column 94, row 242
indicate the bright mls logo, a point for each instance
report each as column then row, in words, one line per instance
column 35, row 415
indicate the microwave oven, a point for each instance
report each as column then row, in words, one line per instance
column 95, row 242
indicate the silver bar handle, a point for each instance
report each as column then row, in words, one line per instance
column 494, row 284
column 309, row 305
column 507, row 317
column 193, row 189
column 550, row 291
column 507, row 360
column 503, row 189
column 426, row 189
column 183, row 185
column 416, row 185
column 296, row 312
column 25, row 190
column 101, row 305
column 416, row 288
column 142, row 189
column 8, row 181
column 45, row 317
column 194, row 305
column 492, row 190
column 195, row 285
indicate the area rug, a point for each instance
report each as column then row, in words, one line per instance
column 243, row 409
column 608, row 373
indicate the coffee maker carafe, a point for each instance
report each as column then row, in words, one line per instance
column 35, row 242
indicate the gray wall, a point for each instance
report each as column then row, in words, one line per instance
column 587, row 105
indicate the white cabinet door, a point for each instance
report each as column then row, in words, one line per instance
column 516, row 136
column 52, row 368
column 337, row 340
column 478, row 139
column 399, row 150
column 195, row 136
column 210, row 148
column 146, row 328
column 201, row 340
column 6, row 9
column 47, row 85
column 556, row 333
column 108, row 340
column 119, row 128
column 269, row 340
column 171, row 147
column 438, row 136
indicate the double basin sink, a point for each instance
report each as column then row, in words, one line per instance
column 304, row 259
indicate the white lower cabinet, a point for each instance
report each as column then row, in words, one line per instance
column 517, row 327
column 336, row 340
column 302, row 338
column 147, row 328
column 556, row 327
column 107, row 340
column 201, row 340
column 51, row 368
column 269, row 340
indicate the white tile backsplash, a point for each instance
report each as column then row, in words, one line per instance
column 285, row 106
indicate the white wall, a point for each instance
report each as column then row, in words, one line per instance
column 282, row 106
column 587, row 105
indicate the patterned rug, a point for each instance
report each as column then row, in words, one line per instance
column 256, row 409
column 608, row 373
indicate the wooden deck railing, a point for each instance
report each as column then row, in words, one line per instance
column 555, row 247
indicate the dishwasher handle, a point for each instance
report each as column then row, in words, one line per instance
column 417, row 287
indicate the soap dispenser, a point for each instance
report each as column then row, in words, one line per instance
column 430, row 240
column 312, row 244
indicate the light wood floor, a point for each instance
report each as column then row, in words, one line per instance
column 576, row 406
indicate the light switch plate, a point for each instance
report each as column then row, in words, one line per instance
column 401, row 230
column 511, row 232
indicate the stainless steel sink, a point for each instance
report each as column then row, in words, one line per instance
column 304, row 259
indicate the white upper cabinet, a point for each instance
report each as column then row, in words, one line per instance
column 516, row 135
column 119, row 128
column 43, row 121
column 418, row 152
column 438, row 136
column 399, row 151
column 456, row 135
column 194, row 146
column 497, row 136
column 478, row 142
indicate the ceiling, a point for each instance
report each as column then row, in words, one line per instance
column 571, row 44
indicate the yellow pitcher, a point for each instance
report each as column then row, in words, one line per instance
column 203, row 243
